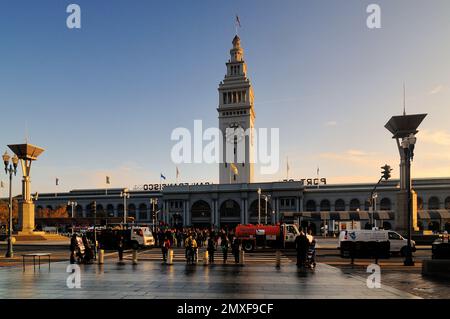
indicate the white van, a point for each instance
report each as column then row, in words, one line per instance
column 397, row 243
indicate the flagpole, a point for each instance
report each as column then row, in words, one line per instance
column 318, row 178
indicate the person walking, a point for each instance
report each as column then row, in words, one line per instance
column 120, row 248
column 211, row 248
column 301, row 245
column 236, row 248
column 225, row 243
column 165, row 249
column 73, row 248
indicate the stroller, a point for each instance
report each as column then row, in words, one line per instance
column 311, row 255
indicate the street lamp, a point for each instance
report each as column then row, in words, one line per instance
column 72, row 204
column 374, row 208
column 266, row 198
column 404, row 128
column 10, row 168
column 125, row 194
column 259, row 206
column 153, row 201
column 408, row 149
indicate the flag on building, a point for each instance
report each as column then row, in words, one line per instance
column 57, row 181
column 234, row 169
column 108, row 180
column 2, row 185
column 178, row 173
column 238, row 22
column 162, row 176
column 287, row 167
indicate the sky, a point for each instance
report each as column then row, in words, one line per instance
column 104, row 99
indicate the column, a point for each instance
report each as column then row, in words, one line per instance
column 184, row 213
column 216, row 213
column 242, row 221
column 213, row 212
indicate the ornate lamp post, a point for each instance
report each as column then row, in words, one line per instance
column 259, row 206
column 153, row 201
column 125, row 194
column 72, row 204
column 10, row 168
column 266, row 198
column 404, row 129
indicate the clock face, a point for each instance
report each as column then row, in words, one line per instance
column 235, row 132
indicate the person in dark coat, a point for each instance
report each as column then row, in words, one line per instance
column 224, row 244
column 211, row 249
column 73, row 248
column 120, row 247
column 88, row 251
column 236, row 248
column 301, row 245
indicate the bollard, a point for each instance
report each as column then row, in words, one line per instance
column 278, row 259
column 205, row 258
column 135, row 257
column 101, row 257
column 242, row 257
column 170, row 256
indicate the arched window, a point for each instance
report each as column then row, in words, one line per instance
column 367, row 205
column 78, row 211
column 385, row 204
column 310, row 206
column 100, row 211
column 355, row 204
column 254, row 208
column 131, row 211
column 433, row 203
column 325, row 205
column 110, row 210
column 447, row 203
column 201, row 209
column 339, row 205
column 230, row 208
column 120, row 210
column 143, row 212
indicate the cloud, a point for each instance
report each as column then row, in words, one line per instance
column 436, row 90
column 331, row 123
column 440, row 137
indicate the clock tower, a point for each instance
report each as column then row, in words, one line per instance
column 236, row 111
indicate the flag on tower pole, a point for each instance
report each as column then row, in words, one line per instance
column 56, row 183
column 237, row 24
column 2, row 185
column 234, row 169
column 108, row 181
column 177, row 174
column 318, row 179
column 287, row 168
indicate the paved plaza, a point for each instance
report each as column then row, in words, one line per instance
column 153, row 280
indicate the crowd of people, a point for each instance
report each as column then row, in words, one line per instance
column 194, row 238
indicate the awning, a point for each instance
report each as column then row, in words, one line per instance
column 423, row 214
column 438, row 214
column 325, row 215
column 382, row 215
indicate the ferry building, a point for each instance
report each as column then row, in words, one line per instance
column 235, row 199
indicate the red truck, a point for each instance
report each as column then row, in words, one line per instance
column 281, row 235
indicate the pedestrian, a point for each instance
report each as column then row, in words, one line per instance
column 301, row 245
column 225, row 244
column 73, row 248
column 236, row 248
column 165, row 249
column 211, row 248
column 120, row 248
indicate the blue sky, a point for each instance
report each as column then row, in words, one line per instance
column 103, row 100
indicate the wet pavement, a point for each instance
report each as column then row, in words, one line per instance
column 154, row 280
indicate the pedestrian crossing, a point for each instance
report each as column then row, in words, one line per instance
column 259, row 257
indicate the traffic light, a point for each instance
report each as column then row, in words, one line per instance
column 386, row 172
